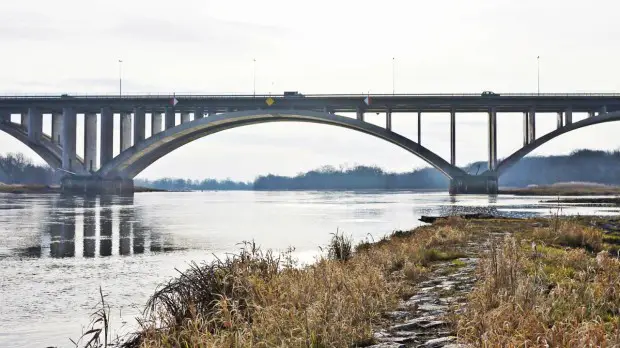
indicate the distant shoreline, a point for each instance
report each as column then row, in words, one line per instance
column 54, row 189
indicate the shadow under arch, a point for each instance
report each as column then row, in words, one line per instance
column 511, row 160
column 132, row 161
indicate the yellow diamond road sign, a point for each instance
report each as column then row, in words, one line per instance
column 270, row 101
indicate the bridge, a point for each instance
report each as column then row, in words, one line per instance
column 202, row 115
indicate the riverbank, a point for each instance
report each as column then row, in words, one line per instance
column 564, row 189
column 465, row 278
column 54, row 189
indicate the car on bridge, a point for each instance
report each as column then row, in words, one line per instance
column 293, row 94
column 489, row 94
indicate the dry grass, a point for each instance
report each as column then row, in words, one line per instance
column 560, row 295
column 255, row 299
column 565, row 189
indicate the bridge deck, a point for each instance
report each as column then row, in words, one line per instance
column 338, row 103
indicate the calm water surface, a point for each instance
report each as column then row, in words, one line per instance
column 55, row 252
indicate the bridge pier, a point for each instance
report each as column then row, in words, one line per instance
column 525, row 129
column 125, row 131
column 568, row 116
column 69, row 156
column 199, row 113
column 106, row 152
column 35, row 125
column 139, row 125
column 474, row 184
column 56, row 127
column 185, row 117
column 560, row 120
column 5, row 116
column 420, row 127
column 170, row 118
column 452, row 137
column 492, row 139
column 90, row 142
column 531, row 126
column 25, row 120
column 360, row 114
column 95, row 185
column 156, row 122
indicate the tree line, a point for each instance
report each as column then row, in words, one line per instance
column 15, row 168
column 581, row 165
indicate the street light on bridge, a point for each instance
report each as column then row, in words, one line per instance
column 120, row 77
column 538, row 72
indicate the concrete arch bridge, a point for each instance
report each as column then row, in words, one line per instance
column 100, row 171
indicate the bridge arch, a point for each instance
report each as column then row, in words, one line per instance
column 132, row 161
column 511, row 160
column 46, row 149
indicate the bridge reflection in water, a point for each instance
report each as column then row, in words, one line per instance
column 95, row 227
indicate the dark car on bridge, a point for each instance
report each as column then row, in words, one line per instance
column 489, row 94
column 293, row 94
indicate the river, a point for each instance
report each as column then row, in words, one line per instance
column 55, row 252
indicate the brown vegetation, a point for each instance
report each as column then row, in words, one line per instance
column 545, row 288
column 565, row 189
column 544, row 283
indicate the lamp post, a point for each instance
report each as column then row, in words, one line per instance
column 538, row 72
column 254, row 88
column 120, row 78
column 393, row 75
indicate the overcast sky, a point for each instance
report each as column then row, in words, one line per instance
column 320, row 46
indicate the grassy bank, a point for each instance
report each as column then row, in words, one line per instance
column 565, row 189
column 564, row 293
column 17, row 189
column 547, row 286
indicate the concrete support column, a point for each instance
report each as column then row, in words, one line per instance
column 560, row 120
column 35, row 125
column 591, row 114
column 492, row 139
column 360, row 114
column 156, row 123
column 568, row 116
column 453, row 137
column 199, row 113
column 25, row 119
column 603, row 110
column 211, row 112
column 125, row 131
column 139, row 125
column 420, row 127
column 526, row 129
column 185, row 117
column 106, row 152
column 5, row 116
column 56, row 127
column 170, row 118
column 90, row 142
column 69, row 157
column 388, row 120
column 531, row 125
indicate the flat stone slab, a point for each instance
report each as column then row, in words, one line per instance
column 439, row 342
column 417, row 323
column 388, row 345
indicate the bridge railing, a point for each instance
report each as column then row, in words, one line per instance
column 191, row 95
